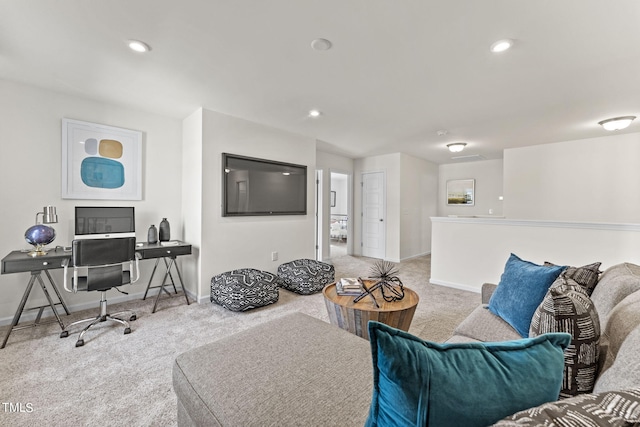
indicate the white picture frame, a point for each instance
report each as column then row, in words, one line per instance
column 100, row 162
column 461, row 192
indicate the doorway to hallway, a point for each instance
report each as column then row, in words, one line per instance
column 339, row 215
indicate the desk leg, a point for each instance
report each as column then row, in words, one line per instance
column 16, row 317
column 168, row 265
column 55, row 312
column 151, row 278
column 168, row 273
column 182, row 283
column 55, row 288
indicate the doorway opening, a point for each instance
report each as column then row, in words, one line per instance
column 339, row 223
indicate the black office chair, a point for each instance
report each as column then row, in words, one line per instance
column 99, row 265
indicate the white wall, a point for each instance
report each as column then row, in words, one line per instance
column 468, row 252
column 340, row 184
column 228, row 243
column 192, row 165
column 418, row 195
column 30, row 177
column 411, row 194
column 573, row 202
column 488, row 187
column 595, row 179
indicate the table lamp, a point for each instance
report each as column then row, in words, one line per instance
column 40, row 235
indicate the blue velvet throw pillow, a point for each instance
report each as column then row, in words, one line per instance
column 522, row 288
column 420, row 383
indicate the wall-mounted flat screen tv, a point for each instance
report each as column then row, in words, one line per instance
column 262, row 187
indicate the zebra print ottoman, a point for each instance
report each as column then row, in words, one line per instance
column 244, row 289
column 305, row 276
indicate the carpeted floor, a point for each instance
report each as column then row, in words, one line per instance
column 125, row 380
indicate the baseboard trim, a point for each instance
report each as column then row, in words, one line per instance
column 30, row 316
column 415, row 256
column 455, row 285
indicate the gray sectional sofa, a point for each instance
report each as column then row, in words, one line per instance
column 301, row 371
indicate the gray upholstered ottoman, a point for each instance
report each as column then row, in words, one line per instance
column 295, row 370
column 244, row 289
column 305, row 276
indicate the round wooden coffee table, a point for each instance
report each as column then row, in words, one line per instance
column 353, row 317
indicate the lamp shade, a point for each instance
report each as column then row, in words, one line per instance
column 49, row 215
column 40, row 235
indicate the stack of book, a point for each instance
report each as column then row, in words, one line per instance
column 349, row 287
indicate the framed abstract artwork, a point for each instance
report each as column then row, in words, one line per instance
column 461, row 192
column 100, row 162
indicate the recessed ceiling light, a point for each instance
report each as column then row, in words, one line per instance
column 138, row 46
column 456, row 147
column 617, row 123
column 321, row 44
column 315, row 113
column 501, row 45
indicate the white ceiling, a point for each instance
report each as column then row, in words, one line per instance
column 399, row 70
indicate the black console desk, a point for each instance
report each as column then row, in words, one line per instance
column 170, row 252
column 21, row 262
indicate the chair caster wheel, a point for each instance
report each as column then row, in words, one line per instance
column 127, row 331
column 132, row 318
column 64, row 334
column 79, row 343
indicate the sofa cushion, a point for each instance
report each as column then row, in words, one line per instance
column 610, row 409
column 522, row 286
column 483, row 325
column 418, row 382
column 614, row 285
column 625, row 371
column 567, row 308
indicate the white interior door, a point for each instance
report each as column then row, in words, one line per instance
column 373, row 215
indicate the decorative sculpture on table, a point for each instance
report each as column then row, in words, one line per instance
column 390, row 285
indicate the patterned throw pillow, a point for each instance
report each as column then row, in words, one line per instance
column 586, row 276
column 611, row 409
column 567, row 308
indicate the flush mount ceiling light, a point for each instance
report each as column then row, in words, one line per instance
column 138, row 46
column 321, row 44
column 617, row 123
column 456, row 147
column 501, row 45
column 315, row 113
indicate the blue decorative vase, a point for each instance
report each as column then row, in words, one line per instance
column 39, row 235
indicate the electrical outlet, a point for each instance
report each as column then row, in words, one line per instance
column 274, row 256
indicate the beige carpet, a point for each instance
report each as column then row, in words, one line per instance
column 125, row 380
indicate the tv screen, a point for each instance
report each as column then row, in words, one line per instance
column 262, row 187
column 94, row 222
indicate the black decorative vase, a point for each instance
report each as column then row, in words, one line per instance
column 165, row 231
column 152, row 234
